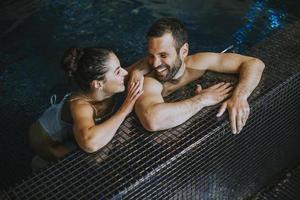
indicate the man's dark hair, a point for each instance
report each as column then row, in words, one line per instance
column 169, row 25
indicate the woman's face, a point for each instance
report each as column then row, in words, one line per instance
column 114, row 76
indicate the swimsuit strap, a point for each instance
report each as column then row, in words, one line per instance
column 53, row 99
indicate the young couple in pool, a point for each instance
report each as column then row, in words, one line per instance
column 166, row 68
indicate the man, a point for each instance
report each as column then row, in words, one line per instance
column 173, row 68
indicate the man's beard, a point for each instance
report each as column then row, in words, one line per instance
column 172, row 71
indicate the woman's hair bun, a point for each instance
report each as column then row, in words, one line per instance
column 83, row 65
column 71, row 59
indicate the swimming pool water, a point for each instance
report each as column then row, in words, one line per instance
column 34, row 33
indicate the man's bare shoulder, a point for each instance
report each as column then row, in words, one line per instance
column 152, row 94
column 201, row 61
column 152, row 85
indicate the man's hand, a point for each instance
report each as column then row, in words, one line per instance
column 136, row 76
column 239, row 110
column 214, row 94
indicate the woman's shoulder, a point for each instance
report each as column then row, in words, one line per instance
column 79, row 104
column 79, row 110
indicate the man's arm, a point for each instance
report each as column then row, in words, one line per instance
column 250, row 70
column 156, row 115
column 141, row 66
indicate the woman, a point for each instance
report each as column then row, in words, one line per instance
column 99, row 76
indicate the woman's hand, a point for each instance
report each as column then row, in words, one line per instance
column 137, row 76
column 214, row 94
column 134, row 91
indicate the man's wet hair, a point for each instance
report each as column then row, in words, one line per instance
column 169, row 25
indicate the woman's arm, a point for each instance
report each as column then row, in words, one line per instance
column 91, row 137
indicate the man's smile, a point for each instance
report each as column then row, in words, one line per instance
column 160, row 69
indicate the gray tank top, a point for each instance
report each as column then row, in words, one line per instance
column 51, row 121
